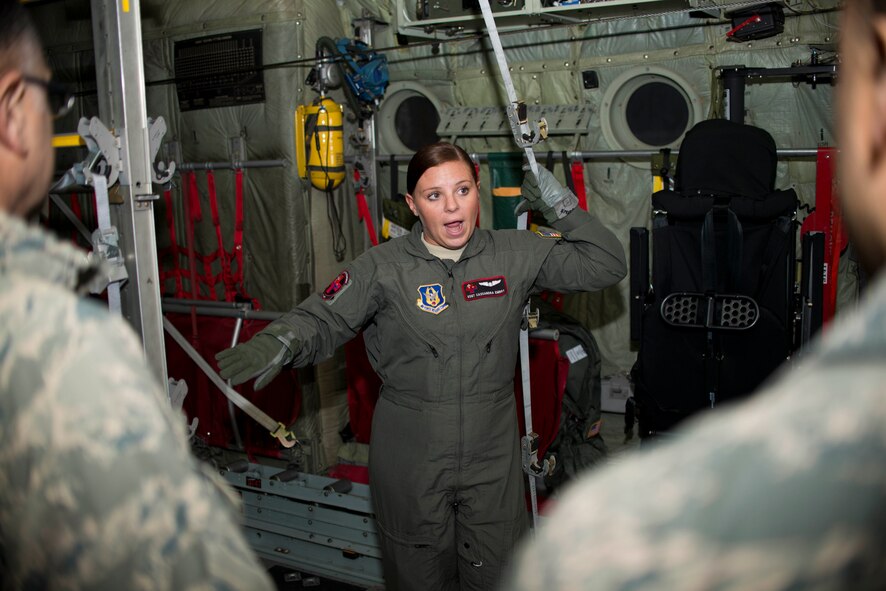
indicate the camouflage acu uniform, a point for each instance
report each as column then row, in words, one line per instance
column 98, row 489
column 785, row 491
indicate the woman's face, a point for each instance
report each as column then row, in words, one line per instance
column 447, row 200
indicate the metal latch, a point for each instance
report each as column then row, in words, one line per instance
column 529, row 447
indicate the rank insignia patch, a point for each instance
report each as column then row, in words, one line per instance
column 431, row 298
column 549, row 233
column 491, row 287
column 338, row 285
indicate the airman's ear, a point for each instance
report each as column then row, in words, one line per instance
column 12, row 113
column 411, row 203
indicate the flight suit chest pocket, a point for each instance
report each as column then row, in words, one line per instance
column 497, row 360
column 413, row 358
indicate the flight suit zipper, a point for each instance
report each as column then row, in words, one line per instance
column 458, row 351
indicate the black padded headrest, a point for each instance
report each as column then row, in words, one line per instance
column 721, row 156
column 760, row 208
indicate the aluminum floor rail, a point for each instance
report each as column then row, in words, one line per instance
column 309, row 523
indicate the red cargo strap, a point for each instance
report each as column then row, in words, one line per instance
column 231, row 278
column 578, row 181
column 363, row 209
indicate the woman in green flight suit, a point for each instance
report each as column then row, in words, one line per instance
column 441, row 310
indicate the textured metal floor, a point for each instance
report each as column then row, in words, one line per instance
column 617, row 444
column 287, row 579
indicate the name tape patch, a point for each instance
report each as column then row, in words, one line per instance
column 490, row 287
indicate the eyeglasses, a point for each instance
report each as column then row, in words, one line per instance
column 61, row 99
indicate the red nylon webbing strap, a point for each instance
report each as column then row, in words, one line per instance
column 176, row 251
column 363, row 209
column 578, row 180
column 221, row 255
column 231, row 278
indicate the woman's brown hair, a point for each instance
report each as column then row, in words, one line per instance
column 434, row 155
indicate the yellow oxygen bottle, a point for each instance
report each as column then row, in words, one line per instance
column 319, row 139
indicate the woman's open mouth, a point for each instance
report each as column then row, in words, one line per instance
column 454, row 228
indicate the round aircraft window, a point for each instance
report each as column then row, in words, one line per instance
column 407, row 118
column 648, row 108
column 416, row 122
column 657, row 113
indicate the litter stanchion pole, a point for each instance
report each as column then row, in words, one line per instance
column 525, row 137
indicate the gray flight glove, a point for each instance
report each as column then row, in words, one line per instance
column 262, row 356
column 546, row 195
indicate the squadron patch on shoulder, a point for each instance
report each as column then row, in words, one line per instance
column 431, row 298
column 338, row 285
column 490, row 287
column 549, row 233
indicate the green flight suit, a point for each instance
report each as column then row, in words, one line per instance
column 445, row 466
